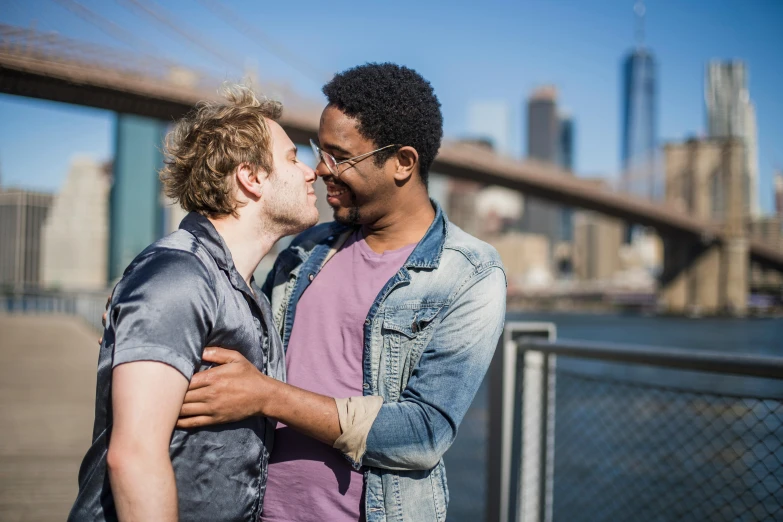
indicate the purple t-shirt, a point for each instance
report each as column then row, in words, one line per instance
column 309, row 480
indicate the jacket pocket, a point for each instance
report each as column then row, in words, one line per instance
column 406, row 334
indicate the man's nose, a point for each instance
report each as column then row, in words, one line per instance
column 310, row 175
column 321, row 170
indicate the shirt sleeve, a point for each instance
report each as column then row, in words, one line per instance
column 356, row 416
column 415, row 432
column 163, row 310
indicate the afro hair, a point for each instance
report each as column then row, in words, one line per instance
column 393, row 104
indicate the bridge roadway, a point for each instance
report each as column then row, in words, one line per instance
column 168, row 95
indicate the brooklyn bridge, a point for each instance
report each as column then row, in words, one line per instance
column 705, row 263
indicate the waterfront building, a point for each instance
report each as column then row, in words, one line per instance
column 498, row 211
column 74, row 250
column 769, row 231
column 566, row 145
column 525, row 259
column 461, row 204
column 731, row 114
column 597, row 242
column 596, row 245
column 550, row 140
column 22, row 216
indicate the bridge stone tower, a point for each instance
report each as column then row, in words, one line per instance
column 707, row 276
column 136, row 210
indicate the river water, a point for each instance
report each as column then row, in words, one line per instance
column 466, row 460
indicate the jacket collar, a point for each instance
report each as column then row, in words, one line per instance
column 428, row 251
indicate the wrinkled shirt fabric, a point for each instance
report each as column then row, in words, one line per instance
column 180, row 294
column 428, row 339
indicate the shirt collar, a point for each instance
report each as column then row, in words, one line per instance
column 203, row 229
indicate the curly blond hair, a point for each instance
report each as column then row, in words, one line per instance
column 208, row 144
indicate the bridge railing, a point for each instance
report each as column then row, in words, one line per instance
column 88, row 305
column 605, row 432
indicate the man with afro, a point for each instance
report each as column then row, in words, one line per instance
column 389, row 315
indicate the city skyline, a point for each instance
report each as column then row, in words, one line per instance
column 575, row 48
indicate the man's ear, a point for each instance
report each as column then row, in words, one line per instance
column 250, row 180
column 407, row 160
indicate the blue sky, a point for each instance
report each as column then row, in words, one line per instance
column 489, row 50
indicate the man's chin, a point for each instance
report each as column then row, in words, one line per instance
column 302, row 222
column 314, row 217
column 347, row 216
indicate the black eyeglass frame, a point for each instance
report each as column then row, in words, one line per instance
column 331, row 162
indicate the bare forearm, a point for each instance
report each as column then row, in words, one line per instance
column 143, row 487
column 307, row 412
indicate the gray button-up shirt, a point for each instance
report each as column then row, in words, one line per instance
column 181, row 294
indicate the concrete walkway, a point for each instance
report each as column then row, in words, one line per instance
column 47, row 394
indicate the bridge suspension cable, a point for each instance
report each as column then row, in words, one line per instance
column 107, row 26
column 256, row 35
column 158, row 15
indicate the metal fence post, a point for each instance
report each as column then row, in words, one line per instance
column 508, row 479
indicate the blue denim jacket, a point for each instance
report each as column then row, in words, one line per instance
column 429, row 338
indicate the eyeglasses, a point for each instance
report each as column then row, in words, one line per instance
column 332, row 164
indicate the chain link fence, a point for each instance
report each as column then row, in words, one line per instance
column 626, row 450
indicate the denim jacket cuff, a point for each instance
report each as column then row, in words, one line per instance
column 356, row 415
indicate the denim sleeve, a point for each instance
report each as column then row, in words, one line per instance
column 414, row 433
column 163, row 310
column 269, row 282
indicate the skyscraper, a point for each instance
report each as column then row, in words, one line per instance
column 74, row 250
column 543, row 140
column 639, row 141
column 22, row 215
column 730, row 114
column 549, row 139
column 779, row 193
column 543, row 125
column 640, row 175
column 596, row 243
column 639, row 113
column 566, row 160
column 566, row 142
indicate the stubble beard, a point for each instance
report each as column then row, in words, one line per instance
column 291, row 217
column 353, row 214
